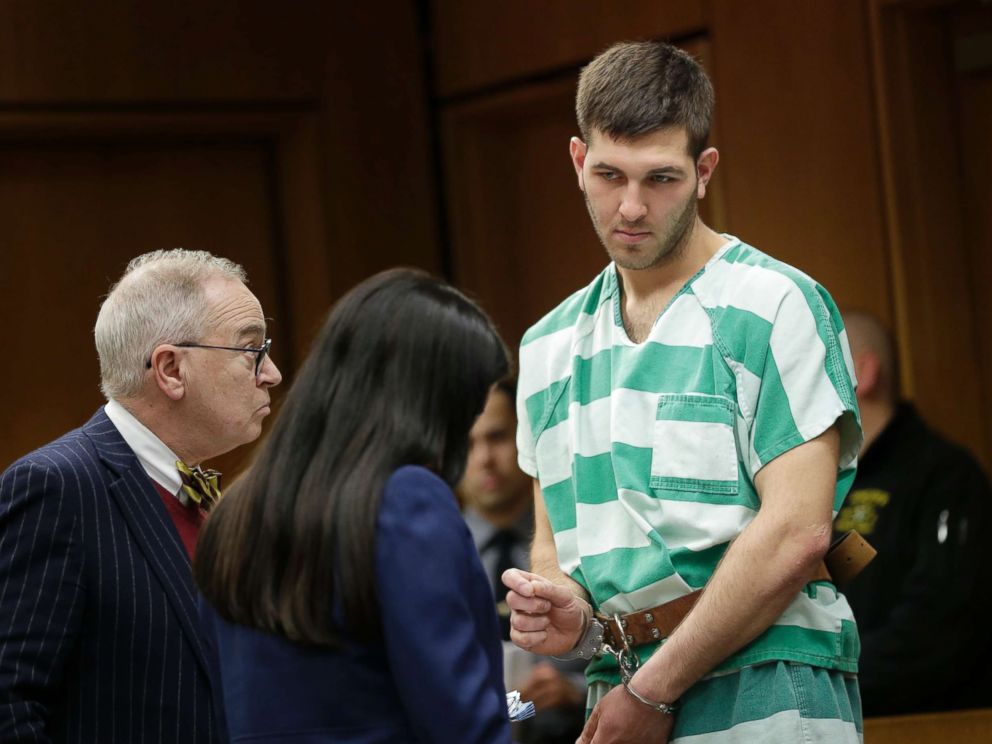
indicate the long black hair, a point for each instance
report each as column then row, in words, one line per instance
column 397, row 376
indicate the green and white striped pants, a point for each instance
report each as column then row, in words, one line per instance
column 774, row 703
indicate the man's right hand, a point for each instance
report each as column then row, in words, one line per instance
column 545, row 618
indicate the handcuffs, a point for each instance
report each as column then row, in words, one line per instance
column 592, row 643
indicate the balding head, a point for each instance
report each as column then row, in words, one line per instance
column 875, row 360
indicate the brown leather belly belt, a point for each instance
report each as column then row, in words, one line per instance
column 845, row 560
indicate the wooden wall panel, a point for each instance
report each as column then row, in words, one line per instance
column 71, row 217
column 840, row 127
column 362, row 72
column 328, row 97
column 522, row 240
column 976, row 121
column 799, row 162
column 481, row 44
column 376, row 136
column 959, row 727
column 521, row 237
column 147, row 51
column 938, row 331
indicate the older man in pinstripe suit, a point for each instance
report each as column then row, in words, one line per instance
column 98, row 630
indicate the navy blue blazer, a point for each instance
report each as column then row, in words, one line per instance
column 437, row 676
column 98, row 631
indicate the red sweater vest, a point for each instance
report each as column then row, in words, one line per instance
column 188, row 519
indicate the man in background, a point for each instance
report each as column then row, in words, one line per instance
column 98, row 623
column 499, row 512
column 923, row 502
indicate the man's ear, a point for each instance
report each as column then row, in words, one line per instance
column 705, row 165
column 167, row 371
column 868, row 371
column 577, row 149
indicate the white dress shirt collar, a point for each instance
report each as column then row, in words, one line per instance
column 155, row 457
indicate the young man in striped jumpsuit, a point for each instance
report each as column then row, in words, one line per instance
column 690, row 422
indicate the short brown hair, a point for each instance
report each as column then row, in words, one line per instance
column 636, row 88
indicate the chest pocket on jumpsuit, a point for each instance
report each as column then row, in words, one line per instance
column 694, row 450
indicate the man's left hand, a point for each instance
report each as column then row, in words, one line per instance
column 620, row 719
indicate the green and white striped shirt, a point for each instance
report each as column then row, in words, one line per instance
column 646, row 453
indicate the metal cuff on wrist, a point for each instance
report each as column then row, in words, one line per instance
column 667, row 708
column 589, row 644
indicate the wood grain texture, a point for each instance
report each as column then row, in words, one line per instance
column 483, row 44
column 326, row 103
column 521, row 237
column 974, row 116
column 71, row 216
column 799, row 165
column 962, row 727
column 939, row 333
column 141, row 50
column 522, row 240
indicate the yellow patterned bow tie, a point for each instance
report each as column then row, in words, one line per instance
column 199, row 485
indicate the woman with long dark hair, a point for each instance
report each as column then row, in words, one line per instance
column 346, row 600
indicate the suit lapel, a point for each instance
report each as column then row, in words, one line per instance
column 150, row 525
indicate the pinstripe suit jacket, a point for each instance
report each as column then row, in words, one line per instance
column 98, row 620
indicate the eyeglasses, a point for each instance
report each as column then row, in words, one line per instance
column 260, row 352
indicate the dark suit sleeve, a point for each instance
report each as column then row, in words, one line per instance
column 928, row 642
column 208, row 629
column 438, row 658
column 40, row 595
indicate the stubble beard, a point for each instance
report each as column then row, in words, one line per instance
column 672, row 242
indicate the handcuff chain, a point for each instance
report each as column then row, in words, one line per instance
column 629, row 662
column 626, row 658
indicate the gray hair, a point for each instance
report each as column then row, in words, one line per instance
column 160, row 299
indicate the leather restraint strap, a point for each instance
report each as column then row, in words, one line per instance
column 848, row 557
column 845, row 560
column 647, row 626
